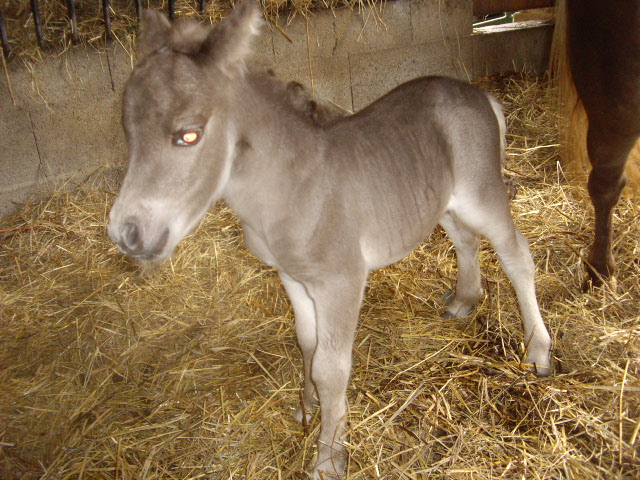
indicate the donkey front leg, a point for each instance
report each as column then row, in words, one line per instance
column 305, row 317
column 337, row 303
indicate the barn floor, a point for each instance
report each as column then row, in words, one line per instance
column 192, row 371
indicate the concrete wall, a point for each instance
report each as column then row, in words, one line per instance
column 62, row 126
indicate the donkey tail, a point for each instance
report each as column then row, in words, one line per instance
column 512, row 188
column 502, row 124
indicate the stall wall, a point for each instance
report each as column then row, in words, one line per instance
column 60, row 118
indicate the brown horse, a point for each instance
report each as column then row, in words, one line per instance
column 603, row 44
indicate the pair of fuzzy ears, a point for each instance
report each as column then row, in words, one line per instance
column 227, row 45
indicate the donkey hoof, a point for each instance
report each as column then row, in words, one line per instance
column 459, row 306
column 447, row 296
column 539, row 370
column 302, row 415
column 447, row 299
column 540, row 365
column 329, row 474
column 447, row 315
column 458, row 309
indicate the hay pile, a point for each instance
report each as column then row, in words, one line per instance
column 192, row 371
column 58, row 32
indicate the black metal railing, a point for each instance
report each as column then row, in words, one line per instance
column 480, row 8
column 71, row 11
column 6, row 49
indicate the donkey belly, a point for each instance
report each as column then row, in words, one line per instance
column 380, row 252
column 394, row 234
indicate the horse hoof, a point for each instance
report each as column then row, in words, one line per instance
column 592, row 281
column 597, row 281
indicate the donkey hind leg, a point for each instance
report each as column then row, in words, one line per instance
column 468, row 286
column 305, row 319
column 337, row 302
column 608, row 154
column 493, row 220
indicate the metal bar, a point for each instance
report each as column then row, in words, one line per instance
column 37, row 21
column 490, row 7
column 107, row 18
column 172, row 10
column 138, row 8
column 502, row 19
column 71, row 7
column 203, row 5
column 6, row 48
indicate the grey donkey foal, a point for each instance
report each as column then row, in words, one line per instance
column 323, row 203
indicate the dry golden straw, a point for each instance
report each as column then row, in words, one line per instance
column 192, row 371
column 57, row 29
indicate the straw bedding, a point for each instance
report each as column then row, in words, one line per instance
column 57, row 30
column 192, row 370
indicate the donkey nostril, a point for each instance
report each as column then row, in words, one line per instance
column 131, row 236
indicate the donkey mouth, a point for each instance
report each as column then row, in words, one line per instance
column 132, row 244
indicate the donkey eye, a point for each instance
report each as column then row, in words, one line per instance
column 187, row 138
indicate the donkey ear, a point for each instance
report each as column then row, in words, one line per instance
column 154, row 32
column 229, row 44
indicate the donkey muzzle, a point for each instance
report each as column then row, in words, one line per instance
column 129, row 236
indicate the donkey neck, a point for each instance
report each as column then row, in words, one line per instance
column 265, row 107
column 276, row 147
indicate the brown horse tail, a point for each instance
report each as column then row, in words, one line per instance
column 633, row 170
column 572, row 118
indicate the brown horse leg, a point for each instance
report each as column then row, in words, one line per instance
column 608, row 153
